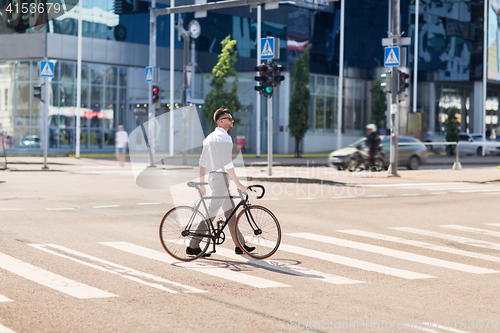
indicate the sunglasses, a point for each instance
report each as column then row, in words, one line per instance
column 230, row 118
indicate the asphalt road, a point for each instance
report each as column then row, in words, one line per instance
column 80, row 252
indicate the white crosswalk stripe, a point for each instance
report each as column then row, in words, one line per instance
column 428, row 327
column 474, row 230
column 51, row 280
column 350, row 262
column 458, row 239
column 421, row 245
column 4, row 329
column 396, row 253
column 4, row 299
column 275, row 265
column 197, row 266
column 110, row 267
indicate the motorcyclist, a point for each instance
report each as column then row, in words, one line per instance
column 373, row 144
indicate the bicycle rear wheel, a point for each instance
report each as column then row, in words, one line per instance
column 257, row 227
column 182, row 227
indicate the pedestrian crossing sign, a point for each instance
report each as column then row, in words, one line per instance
column 149, row 74
column 46, row 69
column 391, row 57
column 267, row 48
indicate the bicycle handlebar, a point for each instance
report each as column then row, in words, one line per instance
column 259, row 186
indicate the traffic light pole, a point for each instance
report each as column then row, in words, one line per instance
column 393, row 168
column 45, row 124
column 152, row 63
column 270, row 136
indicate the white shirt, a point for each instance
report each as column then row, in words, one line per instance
column 217, row 154
column 121, row 139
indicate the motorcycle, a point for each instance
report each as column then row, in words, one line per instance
column 360, row 160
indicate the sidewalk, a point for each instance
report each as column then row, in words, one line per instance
column 307, row 172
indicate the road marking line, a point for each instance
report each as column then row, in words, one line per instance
column 492, row 193
column 409, row 195
column 4, row 329
column 376, row 196
column 4, row 299
column 269, row 199
column 350, row 262
column 446, row 328
column 148, row 203
column 494, row 224
column 449, row 188
column 345, row 197
column 395, row 253
column 4, row 209
column 458, row 239
column 304, row 198
column 412, row 185
column 474, row 230
column 110, row 267
column 49, row 279
column 66, row 208
column 476, row 191
column 439, row 193
column 108, row 206
column 286, row 268
column 195, row 266
column 421, row 244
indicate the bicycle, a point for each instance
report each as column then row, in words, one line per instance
column 254, row 224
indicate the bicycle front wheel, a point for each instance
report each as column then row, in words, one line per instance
column 183, row 227
column 257, row 227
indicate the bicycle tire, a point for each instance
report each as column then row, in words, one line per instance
column 173, row 224
column 267, row 241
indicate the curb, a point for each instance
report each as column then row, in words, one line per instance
column 296, row 180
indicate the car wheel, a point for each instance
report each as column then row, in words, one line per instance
column 413, row 163
column 480, row 151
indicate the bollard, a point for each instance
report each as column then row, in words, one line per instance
column 457, row 165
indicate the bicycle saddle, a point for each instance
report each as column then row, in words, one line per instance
column 196, row 184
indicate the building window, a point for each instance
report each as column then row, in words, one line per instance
column 323, row 113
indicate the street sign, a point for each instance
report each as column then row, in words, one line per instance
column 188, row 96
column 46, row 69
column 396, row 41
column 391, row 57
column 149, row 74
column 267, row 48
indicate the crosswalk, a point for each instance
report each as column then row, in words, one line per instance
column 441, row 188
column 269, row 273
column 312, row 247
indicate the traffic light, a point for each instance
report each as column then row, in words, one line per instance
column 277, row 77
column 386, row 81
column 265, row 79
column 403, row 81
column 156, row 94
column 38, row 92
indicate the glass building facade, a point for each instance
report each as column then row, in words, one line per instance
column 116, row 38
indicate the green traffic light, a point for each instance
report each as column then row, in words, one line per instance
column 268, row 90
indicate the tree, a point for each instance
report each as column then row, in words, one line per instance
column 379, row 105
column 218, row 97
column 301, row 98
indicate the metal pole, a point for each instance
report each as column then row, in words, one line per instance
column 79, row 80
column 193, row 69
column 485, row 65
column 388, row 95
column 270, row 136
column 257, row 106
column 341, row 76
column 184, row 104
column 45, row 123
column 172, row 49
column 152, row 63
column 393, row 170
column 415, row 57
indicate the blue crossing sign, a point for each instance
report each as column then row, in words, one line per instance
column 149, row 74
column 267, row 48
column 46, row 69
column 391, row 57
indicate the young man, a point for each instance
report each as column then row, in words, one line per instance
column 217, row 159
column 121, row 142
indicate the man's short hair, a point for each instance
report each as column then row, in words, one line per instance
column 219, row 113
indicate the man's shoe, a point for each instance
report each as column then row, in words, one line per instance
column 237, row 250
column 196, row 251
column 193, row 252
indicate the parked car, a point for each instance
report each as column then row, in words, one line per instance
column 472, row 144
column 29, row 141
column 412, row 156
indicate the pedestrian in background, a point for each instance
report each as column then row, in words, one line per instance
column 121, row 143
column 373, row 144
column 429, row 138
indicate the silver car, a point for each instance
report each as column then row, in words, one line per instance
column 471, row 144
column 412, row 153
